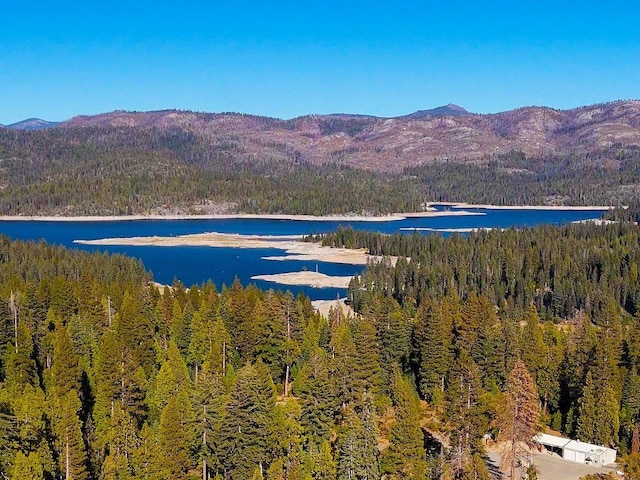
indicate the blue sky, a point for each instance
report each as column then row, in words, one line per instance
column 63, row 58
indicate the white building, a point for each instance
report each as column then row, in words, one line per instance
column 577, row 451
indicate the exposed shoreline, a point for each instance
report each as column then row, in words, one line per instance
column 295, row 249
column 430, row 212
column 523, row 207
column 449, row 230
column 239, row 216
column 307, row 279
column 325, row 306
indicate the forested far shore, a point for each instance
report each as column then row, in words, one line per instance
column 561, row 270
column 108, row 171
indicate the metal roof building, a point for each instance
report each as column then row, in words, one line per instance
column 577, row 451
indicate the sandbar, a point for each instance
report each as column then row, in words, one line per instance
column 308, row 278
column 295, row 249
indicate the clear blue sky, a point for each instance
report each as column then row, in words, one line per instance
column 63, row 58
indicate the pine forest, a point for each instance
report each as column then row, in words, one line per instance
column 107, row 376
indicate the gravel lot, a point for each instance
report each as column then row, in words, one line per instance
column 552, row 467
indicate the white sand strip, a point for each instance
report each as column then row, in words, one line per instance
column 430, row 212
column 522, row 207
column 445, row 230
column 443, row 213
column 296, row 250
column 310, row 279
column 307, row 218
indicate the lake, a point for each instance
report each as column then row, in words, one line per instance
column 195, row 265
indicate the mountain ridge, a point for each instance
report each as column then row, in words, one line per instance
column 30, row 124
column 392, row 144
column 451, row 109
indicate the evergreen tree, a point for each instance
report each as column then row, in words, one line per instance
column 368, row 376
column 172, row 380
column 246, row 430
column 434, row 336
column 598, row 415
column 176, row 437
column 287, row 441
column 19, row 366
column 27, row 467
column 461, row 407
column 209, row 402
column 519, row 419
column 221, row 347
column 317, row 400
column 324, row 466
column 180, row 328
column 147, row 460
column 32, row 426
column 358, row 446
column 270, row 320
column 531, row 342
column 135, row 326
column 69, row 443
column 342, row 357
column 393, row 327
column 200, row 343
column 65, row 371
column 123, row 442
column 405, row 457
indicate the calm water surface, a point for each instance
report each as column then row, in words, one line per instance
column 221, row 265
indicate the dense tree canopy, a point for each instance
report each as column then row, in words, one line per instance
column 105, row 376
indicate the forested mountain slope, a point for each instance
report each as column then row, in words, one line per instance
column 185, row 162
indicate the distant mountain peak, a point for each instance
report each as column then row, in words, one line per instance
column 448, row 110
column 31, row 124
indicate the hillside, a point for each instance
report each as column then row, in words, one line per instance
column 391, row 144
column 31, row 124
column 185, row 162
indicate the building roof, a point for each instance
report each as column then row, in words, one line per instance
column 551, row 440
column 578, row 446
column 573, row 445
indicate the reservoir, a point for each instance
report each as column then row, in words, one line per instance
column 198, row 264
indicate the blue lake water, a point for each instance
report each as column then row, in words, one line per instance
column 195, row 265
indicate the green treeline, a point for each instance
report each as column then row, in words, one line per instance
column 127, row 170
column 105, row 376
column 629, row 214
column 481, row 298
column 560, row 270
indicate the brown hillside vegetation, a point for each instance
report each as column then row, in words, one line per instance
column 390, row 144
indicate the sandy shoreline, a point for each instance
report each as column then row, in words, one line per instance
column 429, row 212
column 302, row 218
column 295, row 249
column 522, row 207
column 308, row 279
column 324, row 306
column 448, row 230
column 247, row 216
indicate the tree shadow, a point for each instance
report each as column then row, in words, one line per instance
column 493, row 467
